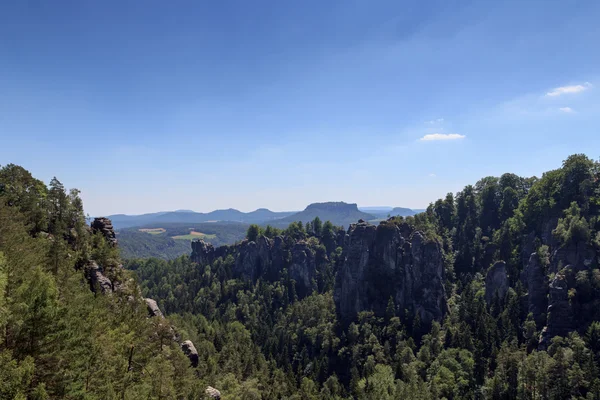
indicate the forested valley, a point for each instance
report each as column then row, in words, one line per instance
column 491, row 293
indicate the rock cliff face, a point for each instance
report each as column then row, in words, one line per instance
column 422, row 283
column 560, row 314
column 303, row 269
column 205, row 253
column 548, row 286
column 379, row 263
column 351, row 295
column 534, row 279
column 104, row 225
column 496, row 282
column 578, row 255
column 94, row 273
column 97, row 279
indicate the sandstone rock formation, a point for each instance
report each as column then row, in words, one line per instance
column 253, row 258
column 549, row 302
column 560, row 313
column 153, row 310
column 96, row 278
column 351, row 291
column 535, row 280
column 213, row 393
column 381, row 263
column 104, row 225
column 578, row 255
column 422, row 283
column 205, row 253
column 278, row 259
column 496, row 282
column 303, row 269
column 190, row 351
column 98, row 281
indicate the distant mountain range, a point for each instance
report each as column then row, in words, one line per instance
column 184, row 216
column 339, row 213
column 384, row 212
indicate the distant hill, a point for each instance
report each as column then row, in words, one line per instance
column 339, row 213
column 259, row 216
column 384, row 212
column 402, row 212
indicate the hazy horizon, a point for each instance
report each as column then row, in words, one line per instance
column 373, row 208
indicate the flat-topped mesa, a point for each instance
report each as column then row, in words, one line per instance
column 333, row 205
column 104, row 225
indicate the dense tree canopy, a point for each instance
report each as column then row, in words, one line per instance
column 263, row 339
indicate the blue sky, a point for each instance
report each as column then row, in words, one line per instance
column 153, row 105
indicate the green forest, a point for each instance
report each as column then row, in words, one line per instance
column 136, row 244
column 517, row 312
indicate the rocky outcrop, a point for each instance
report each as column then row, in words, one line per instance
column 351, row 293
column 560, row 313
column 96, row 278
column 213, row 393
column 578, row 255
column 423, row 279
column 535, row 280
column 247, row 262
column 202, row 252
column 205, row 253
column 153, row 310
column 496, row 282
column 100, row 282
column 253, row 258
column 278, row 259
column 104, row 226
column 527, row 248
column 303, row 269
column 190, row 351
column 380, row 263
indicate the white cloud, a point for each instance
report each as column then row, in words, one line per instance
column 568, row 89
column 441, row 136
column 432, row 175
column 566, row 109
column 435, row 121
